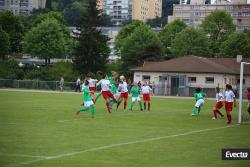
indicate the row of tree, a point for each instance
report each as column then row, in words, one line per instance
column 216, row 37
column 47, row 36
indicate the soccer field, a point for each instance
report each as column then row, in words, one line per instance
column 42, row 130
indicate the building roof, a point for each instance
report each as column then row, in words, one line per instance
column 194, row 64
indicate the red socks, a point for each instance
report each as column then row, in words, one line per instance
column 125, row 105
column 108, row 105
column 217, row 111
column 229, row 118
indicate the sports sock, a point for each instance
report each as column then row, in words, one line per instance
column 219, row 113
column 144, row 105
column 131, row 106
column 148, row 106
column 118, row 104
column 108, row 105
column 215, row 113
column 84, row 108
column 140, row 105
column 125, row 105
column 97, row 97
column 93, row 111
column 93, row 100
column 194, row 111
column 229, row 118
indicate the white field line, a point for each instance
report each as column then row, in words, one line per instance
column 117, row 145
column 22, row 155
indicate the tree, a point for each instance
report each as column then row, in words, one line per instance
column 13, row 26
column 157, row 22
column 143, row 44
column 237, row 43
column 10, row 70
column 63, row 69
column 169, row 32
column 74, row 13
column 125, row 32
column 190, row 42
column 47, row 40
column 4, row 44
column 218, row 25
column 92, row 51
column 56, row 15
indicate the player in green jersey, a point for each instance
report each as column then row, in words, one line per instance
column 135, row 91
column 199, row 98
column 88, row 103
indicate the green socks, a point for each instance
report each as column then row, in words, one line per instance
column 97, row 97
column 194, row 111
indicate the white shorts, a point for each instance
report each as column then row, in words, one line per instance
column 136, row 99
column 199, row 103
column 88, row 103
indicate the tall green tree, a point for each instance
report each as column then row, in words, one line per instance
column 237, row 43
column 47, row 40
column 168, row 34
column 218, row 26
column 190, row 41
column 74, row 13
column 4, row 44
column 56, row 15
column 125, row 32
column 92, row 50
column 143, row 44
column 13, row 26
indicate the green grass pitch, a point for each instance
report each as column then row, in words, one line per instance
column 42, row 130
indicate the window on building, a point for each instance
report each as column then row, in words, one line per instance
column 192, row 79
column 146, row 78
column 137, row 76
column 238, row 81
column 209, row 80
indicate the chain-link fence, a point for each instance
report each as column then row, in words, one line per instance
column 36, row 84
column 161, row 89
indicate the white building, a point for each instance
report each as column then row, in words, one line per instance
column 21, row 7
column 117, row 10
column 194, row 14
column 180, row 76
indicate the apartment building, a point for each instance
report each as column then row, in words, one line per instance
column 120, row 10
column 194, row 14
column 21, row 7
column 146, row 9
